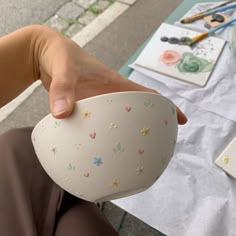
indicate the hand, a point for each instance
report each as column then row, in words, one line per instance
column 71, row 74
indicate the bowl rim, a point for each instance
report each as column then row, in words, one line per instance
column 106, row 95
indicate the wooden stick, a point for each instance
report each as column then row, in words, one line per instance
column 202, row 14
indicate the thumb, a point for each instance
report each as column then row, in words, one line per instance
column 62, row 97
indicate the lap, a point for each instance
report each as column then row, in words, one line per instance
column 32, row 204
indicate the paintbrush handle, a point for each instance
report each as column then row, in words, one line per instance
column 219, row 5
column 221, row 9
column 208, row 12
column 192, row 18
column 211, row 31
column 199, row 37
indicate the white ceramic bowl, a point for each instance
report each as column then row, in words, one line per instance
column 113, row 145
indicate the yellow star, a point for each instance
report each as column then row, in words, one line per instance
column 226, row 159
column 115, row 183
column 113, row 126
column 145, row 131
column 86, row 114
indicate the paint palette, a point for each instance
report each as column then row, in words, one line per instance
column 113, row 145
column 166, row 55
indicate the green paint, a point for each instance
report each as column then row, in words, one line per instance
column 71, row 167
column 57, row 124
column 190, row 63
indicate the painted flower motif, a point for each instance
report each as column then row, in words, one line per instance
column 145, row 131
column 71, row 167
column 113, row 126
column 148, row 103
column 115, row 183
column 86, row 114
column 97, row 161
column 118, row 148
column 170, row 57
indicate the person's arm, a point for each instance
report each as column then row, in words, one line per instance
column 17, row 70
column 66, row 70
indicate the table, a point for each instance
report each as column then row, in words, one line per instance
column 177, row 14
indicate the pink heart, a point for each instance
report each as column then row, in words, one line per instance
column 92, row 135
column 140, row 151
column 128, row 108
column 166, row 122
column 86, row 174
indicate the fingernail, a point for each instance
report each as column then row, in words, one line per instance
column 59, row 107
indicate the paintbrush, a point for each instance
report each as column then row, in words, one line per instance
column 218, row 8
column 201, row 36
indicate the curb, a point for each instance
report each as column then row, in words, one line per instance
column 100, row 23
column 82, row 38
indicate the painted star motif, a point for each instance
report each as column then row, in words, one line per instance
column 115, row 183
column 145, row 131
column 113, row 126
column 226, row 159
column 86, row 114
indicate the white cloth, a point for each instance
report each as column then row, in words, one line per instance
column 194, row 197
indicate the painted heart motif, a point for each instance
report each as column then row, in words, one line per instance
column 128, row 108
column 166, row 122
column 140, row 151
column 92, row 135
column 86, row 174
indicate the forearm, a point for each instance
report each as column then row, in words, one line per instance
column 16, row 64
column 20, row 53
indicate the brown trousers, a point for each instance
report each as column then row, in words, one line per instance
column 32, row 204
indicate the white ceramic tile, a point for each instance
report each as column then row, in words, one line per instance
column 193, row 65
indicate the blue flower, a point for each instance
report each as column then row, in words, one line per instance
column 97, row 161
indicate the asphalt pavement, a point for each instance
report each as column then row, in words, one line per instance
column 19, row 13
